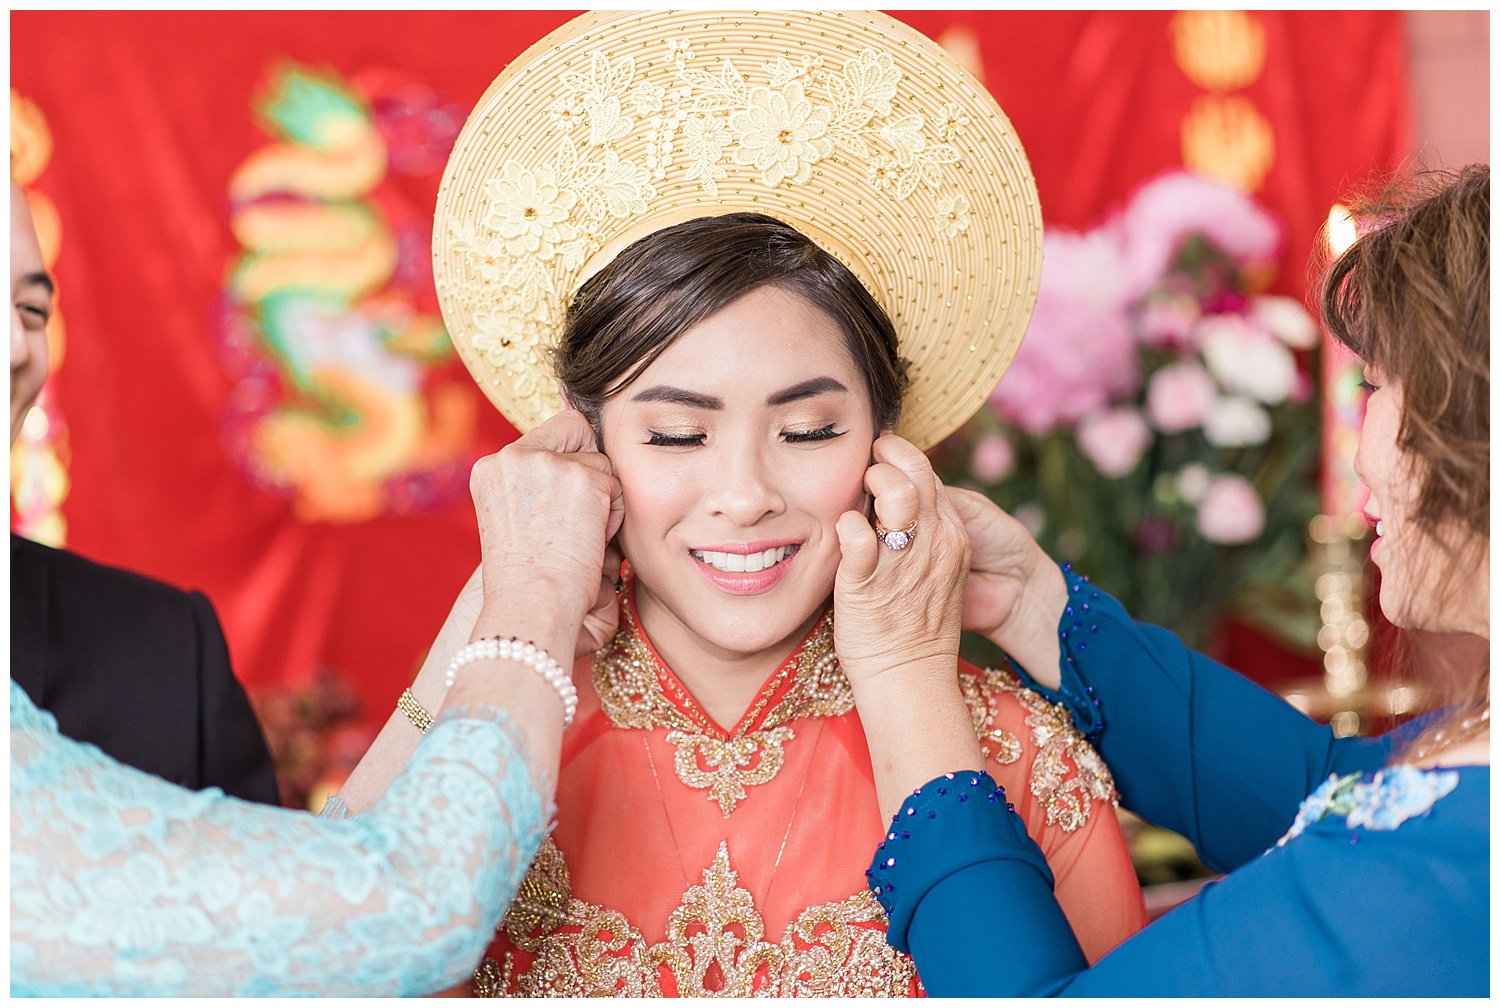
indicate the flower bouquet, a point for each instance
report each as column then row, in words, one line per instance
column 1156, row 427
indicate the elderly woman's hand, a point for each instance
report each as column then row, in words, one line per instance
column 897, row 616
column 1014, row 594
column 548, row 505
column 897, row 609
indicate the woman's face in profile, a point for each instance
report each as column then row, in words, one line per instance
column 738, row 449
column 1416, row 576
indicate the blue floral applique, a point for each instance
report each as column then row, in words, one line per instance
column 1383, row 802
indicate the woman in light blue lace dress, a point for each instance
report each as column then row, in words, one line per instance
column 1356, row 866
column 124, row 884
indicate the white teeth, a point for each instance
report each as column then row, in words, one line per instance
column 1379, row 528
column 745, row 562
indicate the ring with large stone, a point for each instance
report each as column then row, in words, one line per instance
column 896, row 539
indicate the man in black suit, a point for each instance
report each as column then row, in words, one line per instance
column 135, row 666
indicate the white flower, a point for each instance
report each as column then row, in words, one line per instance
column 952, row 217
column 1246, row 360
column 952, row 122
column 704, row 138
column 905, row 135
column 872, row 77
column 648, row 98
column 565, row 112
column 1287, row 319
column 782, row 134
column 625, row 186
column 529, row 210
column 881, row 172
column 1236, row 422
column 680, row 49
column 1193, row 481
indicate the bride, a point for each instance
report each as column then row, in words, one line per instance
column 746, row 384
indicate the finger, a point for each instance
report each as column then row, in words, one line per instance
column 859, row 547
column 907, row 457
column 567, row 431
column 896, row 500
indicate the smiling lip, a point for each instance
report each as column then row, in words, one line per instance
column 747, row 582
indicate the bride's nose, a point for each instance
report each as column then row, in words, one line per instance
column 745, row 489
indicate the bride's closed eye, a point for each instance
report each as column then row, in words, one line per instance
column 824, row 433
column 676, row 440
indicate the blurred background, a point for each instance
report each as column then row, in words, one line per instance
column 253, row 393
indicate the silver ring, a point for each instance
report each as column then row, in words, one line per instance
column 896, row 539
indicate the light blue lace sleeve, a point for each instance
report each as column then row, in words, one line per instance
column 123, row 884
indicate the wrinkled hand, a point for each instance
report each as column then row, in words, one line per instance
column 548, row 504
column 895, row 609
column 1014, row 593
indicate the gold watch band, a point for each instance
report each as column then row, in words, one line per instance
column 414, row 711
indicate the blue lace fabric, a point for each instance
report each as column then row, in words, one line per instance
column 123, row 884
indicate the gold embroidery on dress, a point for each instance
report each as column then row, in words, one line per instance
column 1066, row 795
column 542, row 901
column 714, row 947
column 994, row 742
column 632, row 696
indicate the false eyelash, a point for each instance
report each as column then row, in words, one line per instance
column 821, row 434
column 676, row 440
column 1367, row 386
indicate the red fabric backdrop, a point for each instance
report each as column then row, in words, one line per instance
column 151, row 113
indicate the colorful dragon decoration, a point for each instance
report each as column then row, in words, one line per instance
column 328, row 322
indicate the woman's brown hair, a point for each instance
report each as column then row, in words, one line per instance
column 1411, row 297
column 667, row 282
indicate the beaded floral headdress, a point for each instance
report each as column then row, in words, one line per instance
column 848, row 125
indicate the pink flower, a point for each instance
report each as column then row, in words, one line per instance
column 993, row 458
column 1179, row 397
column 1170, row 208
column 1168, row 322
column 1114, row 440
column 1079, row 354
column 1231, row 512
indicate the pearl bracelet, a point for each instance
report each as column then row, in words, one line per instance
column 527, row 653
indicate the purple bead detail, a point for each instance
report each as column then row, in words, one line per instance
column 1069, row 610
column 1010, row 807
column 931, row 814
column 890, row 862
column 890, row 836
column 994, row 796
column 948, row 775
column 890, row 888
column 911, row 811
column 962, row 796
column 973, row 781
column 1085, row 607
column 942, row 790
column 1093, row 628
column 905, row 835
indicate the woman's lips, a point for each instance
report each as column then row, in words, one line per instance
column 774, row 558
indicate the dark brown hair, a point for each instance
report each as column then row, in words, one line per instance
column 1411, row 297
column 667, row 282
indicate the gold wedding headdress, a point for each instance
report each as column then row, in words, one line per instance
column 848, row 125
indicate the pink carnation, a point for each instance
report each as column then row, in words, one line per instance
column 1114, row 440
column 1179, row 397
column 1231, row 511
column 1170, row 208
column 1078, row 355
column 993, row 458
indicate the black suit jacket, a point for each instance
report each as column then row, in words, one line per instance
column 136, row 667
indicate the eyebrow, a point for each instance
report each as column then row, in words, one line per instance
column 697, row 400
column 804, row 390
column 40, row 280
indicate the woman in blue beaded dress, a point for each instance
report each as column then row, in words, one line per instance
column 1355, row 866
